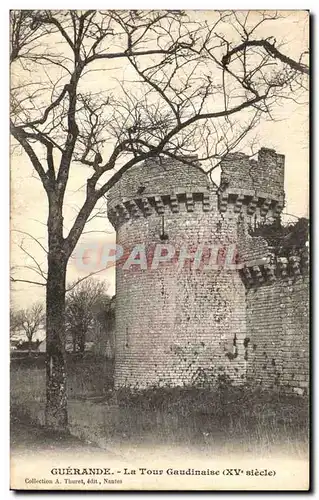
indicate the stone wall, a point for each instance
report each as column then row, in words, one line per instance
column 158, row 177
column 179, row 326
column 278, row 333
column 254, row 186
column 264, row 175
column 277, row 319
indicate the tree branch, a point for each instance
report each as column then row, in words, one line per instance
column 21, row 136
column 15, row 280
column 127, row 53
column 271, row 49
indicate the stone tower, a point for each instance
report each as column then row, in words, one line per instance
column 184, row 321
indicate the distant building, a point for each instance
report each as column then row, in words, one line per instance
column 89, row 346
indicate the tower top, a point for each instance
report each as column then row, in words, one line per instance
column 264, row 177
column 254, row 186
column 158, row 183
column 159, row 177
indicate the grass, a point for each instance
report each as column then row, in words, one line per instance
column 229, row 418
column 87, row 376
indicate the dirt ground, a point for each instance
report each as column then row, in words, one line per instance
column 25, row 436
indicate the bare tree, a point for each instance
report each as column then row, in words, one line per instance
column 170, row 92
column 35, row 266
column 83, row 306
column 14, row 322
column 29, row 320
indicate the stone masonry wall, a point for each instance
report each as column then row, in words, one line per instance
column 255, row 188
column 179, row 326
column 278, row 332
column 158, row 177
column 266, row 175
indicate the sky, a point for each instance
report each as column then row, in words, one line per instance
column 288, row 135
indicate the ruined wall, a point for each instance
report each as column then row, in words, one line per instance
column 277, row 318
column 256, row 186
column 264, row 175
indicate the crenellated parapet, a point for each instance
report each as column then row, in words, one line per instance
column 252, row 187
column 250, row 202
column 268, row 270
column 161, row 186
column 199, row 198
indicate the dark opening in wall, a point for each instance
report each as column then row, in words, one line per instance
column 163, row 235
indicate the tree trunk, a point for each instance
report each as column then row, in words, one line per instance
column 82, row 336
column 74, row 342
column 29, row 346
column 56, row 416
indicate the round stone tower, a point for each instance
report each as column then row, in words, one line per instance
column 180, row 292
column 180, row 302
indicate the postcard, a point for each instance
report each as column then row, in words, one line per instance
column 159, row 323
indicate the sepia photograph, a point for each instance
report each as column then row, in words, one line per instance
column 159, row 241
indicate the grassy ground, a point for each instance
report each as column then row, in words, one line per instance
column 88, row 376
column 227, row 420
column 25, row 435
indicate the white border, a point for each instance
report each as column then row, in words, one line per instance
column 4, row 186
